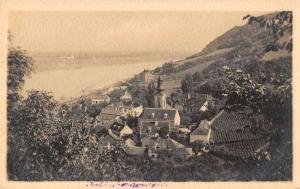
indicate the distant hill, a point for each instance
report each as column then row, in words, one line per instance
column 241, row 47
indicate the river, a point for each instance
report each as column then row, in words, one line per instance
column 67, row 82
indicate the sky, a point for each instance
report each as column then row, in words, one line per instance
column 120, row 31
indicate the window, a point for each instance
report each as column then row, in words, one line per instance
column 152, row 115
column 148, row 130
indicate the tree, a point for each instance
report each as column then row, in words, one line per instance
column 197, row 76
column 187, row 83
column 150, row 94
column 45, row 142
column 185, row 119
column 272, row 97
column 19, row 66
column 94, row 110
column 265, row 86
column 31, row 135
column 47, row 146
column 278, row 24
column 168, row 67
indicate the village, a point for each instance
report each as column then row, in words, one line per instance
column 159, row 133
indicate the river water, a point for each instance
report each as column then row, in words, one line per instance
column 67, row 82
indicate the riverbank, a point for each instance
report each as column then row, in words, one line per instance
column 68, row 83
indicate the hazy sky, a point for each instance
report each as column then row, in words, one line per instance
column 120, row 31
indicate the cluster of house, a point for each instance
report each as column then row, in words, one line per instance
column 193, row 102
column 159, row 134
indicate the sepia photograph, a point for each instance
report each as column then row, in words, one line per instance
column 149, row 96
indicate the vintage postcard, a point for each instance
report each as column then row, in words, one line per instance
column 149, row 95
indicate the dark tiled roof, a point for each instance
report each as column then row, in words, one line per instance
column 195, row 102
column 232, row 127
column 240, row 149
column 135, row 138
column 158, row 114
column 224, row 136
column 231, row 120
column 232, row 134
column 99, row 128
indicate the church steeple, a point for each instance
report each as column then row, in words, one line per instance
column 159, row 97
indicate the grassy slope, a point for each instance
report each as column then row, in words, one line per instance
column 236, row 48
column 173, row 81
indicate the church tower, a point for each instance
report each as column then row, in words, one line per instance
column 159, row 97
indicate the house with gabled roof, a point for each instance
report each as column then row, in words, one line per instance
column 201, row 133
column 126, row 97
column 132, row 148
column 199, row 102
column 155, row 122
column 119, row 130
column 159, row 115
column 111, row 112
column 164, row 149
column 99, row 99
